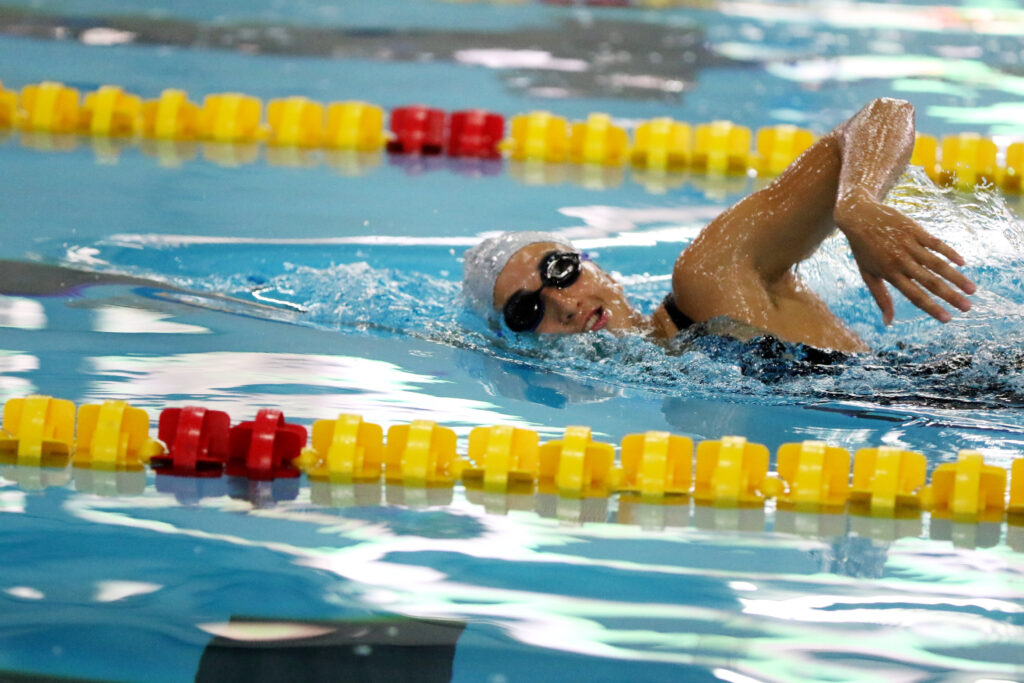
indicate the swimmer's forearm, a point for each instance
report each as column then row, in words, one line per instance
column 875, row 146
column 888, row 246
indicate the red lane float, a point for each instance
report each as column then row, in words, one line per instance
column 266, row 447
column 476, row 133
column 417, row 130
column 197, row 441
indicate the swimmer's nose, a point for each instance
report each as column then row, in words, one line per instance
column 564, row 305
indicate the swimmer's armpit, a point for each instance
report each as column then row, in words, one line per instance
column 891, row 247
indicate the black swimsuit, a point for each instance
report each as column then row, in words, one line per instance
column 947, row 379
column 763, row 354
column 679, row 319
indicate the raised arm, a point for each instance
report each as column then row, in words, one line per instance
column 742, row 263
column 887, row 245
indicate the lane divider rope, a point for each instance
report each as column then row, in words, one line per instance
column 658, row 147
column 811, row 476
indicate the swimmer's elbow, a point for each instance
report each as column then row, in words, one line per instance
column 892, row 109
column 893, row 103
column 887, row 112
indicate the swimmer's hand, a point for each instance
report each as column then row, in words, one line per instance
column 890, row 247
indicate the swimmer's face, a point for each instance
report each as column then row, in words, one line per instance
column 593, row 302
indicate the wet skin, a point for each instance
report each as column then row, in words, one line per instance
column 742, row 264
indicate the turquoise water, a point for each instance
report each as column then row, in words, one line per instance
column 332, row 286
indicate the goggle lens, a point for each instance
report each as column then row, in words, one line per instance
column 524, row 310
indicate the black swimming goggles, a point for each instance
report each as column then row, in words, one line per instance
column 524, row 310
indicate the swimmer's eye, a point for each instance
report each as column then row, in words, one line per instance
column 524, row 310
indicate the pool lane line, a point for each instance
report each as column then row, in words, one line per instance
column 233, row 129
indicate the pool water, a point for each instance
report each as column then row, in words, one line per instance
column 321, row 284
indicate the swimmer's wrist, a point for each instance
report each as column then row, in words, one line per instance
column 850, row 208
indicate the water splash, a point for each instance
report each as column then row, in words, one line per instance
column 969, row 363
column 966, row 363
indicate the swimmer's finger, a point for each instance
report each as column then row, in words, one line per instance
column 876, row 286
column 935, row 244
column 949, row 273
column 937, row 286
column 920, row 298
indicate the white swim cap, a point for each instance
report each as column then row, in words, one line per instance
column 484, row 263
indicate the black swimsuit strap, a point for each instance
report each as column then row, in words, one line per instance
column 679, row 319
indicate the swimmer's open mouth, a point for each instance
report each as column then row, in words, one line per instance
column 597, row 319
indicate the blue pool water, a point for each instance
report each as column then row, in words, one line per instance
column 323, row 284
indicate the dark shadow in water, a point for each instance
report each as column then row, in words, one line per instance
column 383, row 649
column 617, row 58
column 18, row 278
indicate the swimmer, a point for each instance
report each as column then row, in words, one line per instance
column 740, row 267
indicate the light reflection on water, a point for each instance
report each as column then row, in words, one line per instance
column 301, row 385
column 22, row 313
column 760, row 604
column 1005, row 20
column 126, row 320
column 15, row 362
